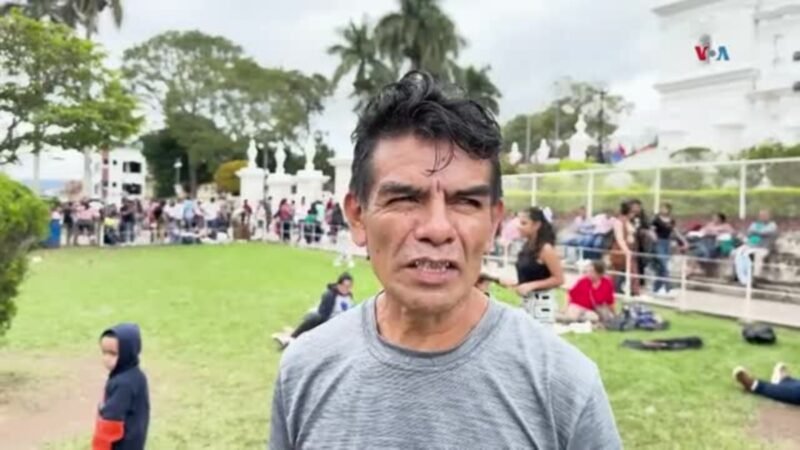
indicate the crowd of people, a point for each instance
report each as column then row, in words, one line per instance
column 190, row 220
column 628, row 240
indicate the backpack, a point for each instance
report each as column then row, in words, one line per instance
column 759, row 334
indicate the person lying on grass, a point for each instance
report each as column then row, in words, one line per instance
column 336, row 299
column 781, row 387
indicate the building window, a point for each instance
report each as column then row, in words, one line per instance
column 114, row 184
column 132, row 188
column 132, row 167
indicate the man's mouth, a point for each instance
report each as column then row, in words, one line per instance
column 432, row 265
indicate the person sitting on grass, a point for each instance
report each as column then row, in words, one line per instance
column 336, row 299
column 592, row 296
column 781, row 386
column 124, row 414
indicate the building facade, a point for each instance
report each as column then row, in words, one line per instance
column 729, row 73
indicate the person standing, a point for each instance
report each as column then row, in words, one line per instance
column 665, row 231
column 431, row 361
column 538, row 265
column 623, row 259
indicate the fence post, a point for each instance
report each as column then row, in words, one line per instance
column 657, row 191
column 534, row 187
column 590, row 196
column 682, row 301
column 743, row 190
column 748, row 298
column 628, row 278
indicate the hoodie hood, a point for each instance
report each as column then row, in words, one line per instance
column 130, row 345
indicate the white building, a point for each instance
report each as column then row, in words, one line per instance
column 115, row 175
column 728, row 104
column 123, row 174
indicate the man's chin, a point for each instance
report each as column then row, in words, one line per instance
column 425, row 300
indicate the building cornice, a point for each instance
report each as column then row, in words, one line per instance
column 667, row 8
column 706, row 80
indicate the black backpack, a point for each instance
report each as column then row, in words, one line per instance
column 759, row 334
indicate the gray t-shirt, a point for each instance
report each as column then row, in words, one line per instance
column 510, row 384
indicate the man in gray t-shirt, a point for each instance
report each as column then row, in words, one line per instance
column 431, row 361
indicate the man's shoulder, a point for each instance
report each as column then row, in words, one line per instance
column 542, row 349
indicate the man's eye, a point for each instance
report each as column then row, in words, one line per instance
column 406, row 199
column 469, row 202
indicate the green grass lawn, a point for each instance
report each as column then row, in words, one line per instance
column 207, row 314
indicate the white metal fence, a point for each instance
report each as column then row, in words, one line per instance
column 737, row 188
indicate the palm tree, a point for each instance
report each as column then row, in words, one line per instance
column 358, row 50
column 477, row 86
column 420, row 34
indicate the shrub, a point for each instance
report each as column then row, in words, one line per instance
column 225, row 177
column 23, row 223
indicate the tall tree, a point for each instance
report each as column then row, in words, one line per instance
column 46, row 71
column 420, row 34
column 478, row 86
column 358, row 51
column 184, row 74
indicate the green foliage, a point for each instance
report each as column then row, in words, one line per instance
column 225, row 177
column 72, row 13
column 23, row 222
column 161, row 150
column 778, row 174
column 783, row 202
column 47, row 74
column 209, row 92
column 543, row 123
column 418, row 36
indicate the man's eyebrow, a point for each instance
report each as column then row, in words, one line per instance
column 393, row 188
column 482, row 190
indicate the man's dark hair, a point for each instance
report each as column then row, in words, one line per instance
column 419, row 105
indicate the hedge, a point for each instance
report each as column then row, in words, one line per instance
column 782, row 202
column 23, row 223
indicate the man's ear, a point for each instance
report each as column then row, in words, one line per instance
column 498, row 212
column 355, row 217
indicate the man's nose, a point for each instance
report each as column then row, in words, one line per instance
column 435, row 225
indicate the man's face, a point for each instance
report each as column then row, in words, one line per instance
column 763, row 215
column 425, row 232
column 636, row 209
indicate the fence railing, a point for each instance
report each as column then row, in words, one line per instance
column 745, row 300
column 737, row 188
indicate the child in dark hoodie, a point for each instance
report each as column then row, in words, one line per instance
column 124, row 414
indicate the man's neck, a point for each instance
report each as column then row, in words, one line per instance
column 425, row 332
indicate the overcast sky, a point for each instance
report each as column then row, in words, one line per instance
column 528, row 43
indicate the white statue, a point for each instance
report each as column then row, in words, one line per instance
column 515, row 156
column 252, row 151
column 311, row 151
column 580, row 141
column 541, row 153
column 280, row 159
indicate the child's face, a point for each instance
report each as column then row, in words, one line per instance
column 109, row 347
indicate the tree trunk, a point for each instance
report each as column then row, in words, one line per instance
column 192, row 179
column 87, row 173
column 36, row 185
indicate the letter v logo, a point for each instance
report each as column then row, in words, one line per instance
column 702, row 52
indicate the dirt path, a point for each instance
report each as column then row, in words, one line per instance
column 45, row 398
column 779, row 424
